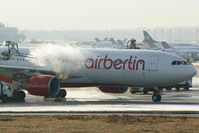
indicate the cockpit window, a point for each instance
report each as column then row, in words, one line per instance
column 179, row 63
column 184, row 63
column 174, row 62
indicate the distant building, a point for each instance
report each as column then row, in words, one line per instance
column 10, row 34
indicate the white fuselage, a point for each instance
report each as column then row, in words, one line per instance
column 137, row 68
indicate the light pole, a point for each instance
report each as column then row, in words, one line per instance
column 180, row 35
column 196, row 36
column 170, row 30
column 154, row 33
column 162, row 34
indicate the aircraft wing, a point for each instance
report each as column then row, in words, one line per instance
column 9, row 70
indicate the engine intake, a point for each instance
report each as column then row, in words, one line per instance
column 43, row 85
column 113, row 89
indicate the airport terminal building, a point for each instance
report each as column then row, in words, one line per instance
column 11, row 34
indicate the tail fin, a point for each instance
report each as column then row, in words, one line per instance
column 165, row 45
column 112, row 40
column 148, row 38
column 105, row 39
column 120, row 42
column 97, row 39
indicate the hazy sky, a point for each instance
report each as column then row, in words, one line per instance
column 98, row 14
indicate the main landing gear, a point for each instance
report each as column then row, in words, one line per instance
column 62, row 93
column 156, row 95
column 58, row 98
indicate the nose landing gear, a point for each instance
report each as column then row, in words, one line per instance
column 156, row 95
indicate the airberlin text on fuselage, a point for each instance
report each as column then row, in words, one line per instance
column 130, row 63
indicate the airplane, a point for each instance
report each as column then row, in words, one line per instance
column 98, row 40
column 191, row 54
column 149, row 40
column 111, row 70
column 150, row 43
column 105, row 43
column 186, row 50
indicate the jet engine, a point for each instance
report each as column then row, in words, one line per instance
column 113, row 89
column 43, row 85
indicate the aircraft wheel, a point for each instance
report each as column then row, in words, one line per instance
column 4, row 98
column 177, row 88
column 186, row 87
column 168, row 88
column 19, row 95
column 62, row 93
column 22, row 95
column 145, row 91
column 156, row 97
column 133, row 90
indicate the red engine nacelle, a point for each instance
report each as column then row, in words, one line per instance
column 113, row 89
column 43, row 85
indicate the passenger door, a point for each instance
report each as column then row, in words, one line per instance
column 153, row 63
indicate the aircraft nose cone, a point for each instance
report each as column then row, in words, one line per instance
column 192, row 71
column 186, row 73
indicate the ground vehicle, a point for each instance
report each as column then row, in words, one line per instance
column 185, row 85
column 5, row 92
column 142, row 90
